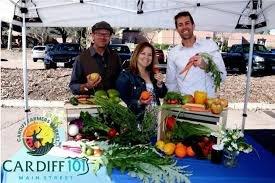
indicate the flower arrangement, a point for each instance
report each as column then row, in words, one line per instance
column 233, row 140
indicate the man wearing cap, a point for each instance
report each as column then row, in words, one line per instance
column 98, row 58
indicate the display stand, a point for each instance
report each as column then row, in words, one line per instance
column 205, row 118
column 72, row 112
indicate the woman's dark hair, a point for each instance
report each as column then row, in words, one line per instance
column 183, row 14
column 134, row 58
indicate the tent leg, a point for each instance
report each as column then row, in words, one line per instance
column 25, row 66
column 248, row 73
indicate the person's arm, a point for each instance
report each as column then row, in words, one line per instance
column 123, row 85
column 162, row 90
column 77, row 83
column 171, row 79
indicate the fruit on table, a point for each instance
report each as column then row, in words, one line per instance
column 180, row 151
column 113, row 93
column 190, row 151
column 179, row 145
column 145, row 95
column 209, row 102
column 224, row 102
column 73, row 130
column 160, row 145
column 187, row 99
column 170, row 122
column 216, row 108
column 89, row 152
column 97, row 152
column 200, row 97
column 101, row 93
column 169, row 148
column 115, row 99
column 94, row 76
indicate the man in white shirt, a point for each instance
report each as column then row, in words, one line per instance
column 189, row 49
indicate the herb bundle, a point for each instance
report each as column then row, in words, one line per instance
column 141, row 161
column 213, row 69
column 184, row 130
column 113, row 115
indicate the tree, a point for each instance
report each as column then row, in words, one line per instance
column 64, row 32
column 40, row 33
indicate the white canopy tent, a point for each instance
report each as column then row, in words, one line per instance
column 209, row 15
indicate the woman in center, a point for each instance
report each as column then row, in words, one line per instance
column 139, row 77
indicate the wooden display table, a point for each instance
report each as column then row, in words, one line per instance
column 205, row 118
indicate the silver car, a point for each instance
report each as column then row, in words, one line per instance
column 38, row 52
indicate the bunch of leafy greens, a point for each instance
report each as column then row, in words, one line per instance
column 126, row 123
column 141, row 161
column 183, row 130
column 92, row 123
column 213, row 69
column 173, row 95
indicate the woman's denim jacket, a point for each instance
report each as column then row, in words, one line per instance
column 130, row 86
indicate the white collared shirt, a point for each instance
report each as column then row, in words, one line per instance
column 196, row 79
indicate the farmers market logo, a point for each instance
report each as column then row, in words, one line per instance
column 39, row 135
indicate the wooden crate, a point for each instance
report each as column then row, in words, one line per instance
column 72, row 112
column 205, row 118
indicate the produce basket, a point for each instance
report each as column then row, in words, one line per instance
column 73, row 111
column 205, row 118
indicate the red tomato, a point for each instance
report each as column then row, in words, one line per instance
column 174, row 101
column 112, row 133
column 170, row 122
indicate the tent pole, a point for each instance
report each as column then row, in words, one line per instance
column 248, row 73
column 25, row 66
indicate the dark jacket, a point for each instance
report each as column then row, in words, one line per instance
column 131, row 85
column 108, row 66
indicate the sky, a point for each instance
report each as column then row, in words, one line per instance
column 272, row 32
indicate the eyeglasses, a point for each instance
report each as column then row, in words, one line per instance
column 99, row 34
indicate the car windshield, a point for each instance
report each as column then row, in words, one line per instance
column 120, row 49
column 259, row 48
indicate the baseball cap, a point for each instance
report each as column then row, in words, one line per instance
column 102, row 25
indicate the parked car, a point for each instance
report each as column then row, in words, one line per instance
column 124, row 53
column 160, row 55
column 61, row 55
column 38, row 52
column 238, row 55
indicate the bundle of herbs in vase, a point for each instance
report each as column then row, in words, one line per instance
column 233, row 142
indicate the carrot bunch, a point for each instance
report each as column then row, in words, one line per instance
column 187, row 68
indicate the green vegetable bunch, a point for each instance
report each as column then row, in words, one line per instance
column 173, row 95
column 213, row 69
column 123, row 120
column 183, row 130
column 140, row 161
